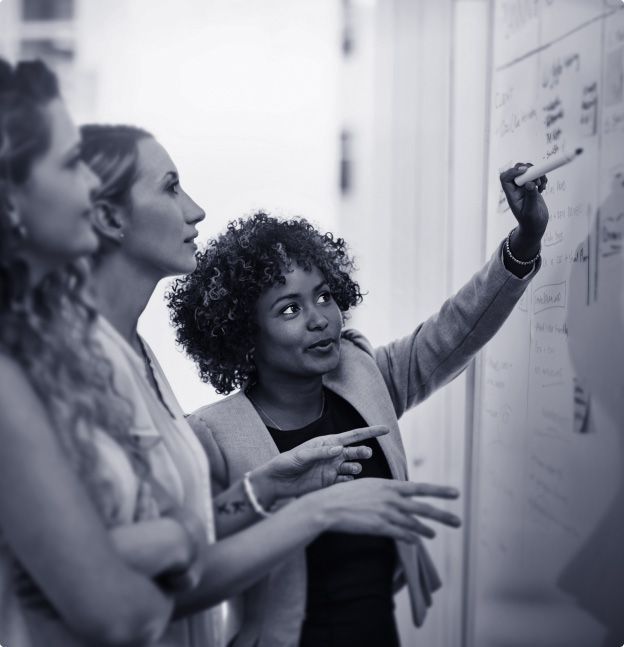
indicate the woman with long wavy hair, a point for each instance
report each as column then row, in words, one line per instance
column 70, row 474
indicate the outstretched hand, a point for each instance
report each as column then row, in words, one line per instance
column 319, row 462
column 386, row 507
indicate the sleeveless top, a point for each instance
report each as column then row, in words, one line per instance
column 178, row 462
column 176, row 457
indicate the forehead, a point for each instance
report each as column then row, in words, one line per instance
column 63, row 131
column 153, row 161
column 298, row 280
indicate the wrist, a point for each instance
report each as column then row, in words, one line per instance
column 319, row 510
column 180, row 542
column 524, row 246
column 264, row 486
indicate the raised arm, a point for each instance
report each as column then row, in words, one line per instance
column 50, row 525
column 441, row 347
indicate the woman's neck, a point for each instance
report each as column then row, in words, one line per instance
column 290, row 403
column 122, row 292
column 39, row 268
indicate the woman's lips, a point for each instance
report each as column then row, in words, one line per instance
column 321, row 346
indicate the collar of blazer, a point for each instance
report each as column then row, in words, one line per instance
column 357, row 379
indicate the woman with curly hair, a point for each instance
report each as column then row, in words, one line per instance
column 147, row 224
column 70, row 474
column 264, row 313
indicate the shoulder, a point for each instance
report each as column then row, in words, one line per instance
column 357, row 341
column 24, row 420
column 216, row 413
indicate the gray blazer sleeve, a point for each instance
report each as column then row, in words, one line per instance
column 441, row 347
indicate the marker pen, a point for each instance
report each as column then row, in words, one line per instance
column 533, row 172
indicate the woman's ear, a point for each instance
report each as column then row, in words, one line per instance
column 108, row 221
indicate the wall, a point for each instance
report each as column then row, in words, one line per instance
column 242, row 94
column 414, row 97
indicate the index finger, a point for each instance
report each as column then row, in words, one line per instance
column 363, row 433
column 512, row 191
column 513, row 172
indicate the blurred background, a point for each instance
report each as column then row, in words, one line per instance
column 336, row 110
column 368, row 117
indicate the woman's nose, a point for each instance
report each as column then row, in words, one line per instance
column 194, row 213
column 317, row 320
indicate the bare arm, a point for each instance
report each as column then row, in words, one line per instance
column 369, row 506
column 315, row 464
column 51, row 526
column 152, row 547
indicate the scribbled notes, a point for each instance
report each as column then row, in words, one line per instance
column 549, row 296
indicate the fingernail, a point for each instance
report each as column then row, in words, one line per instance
column 368, row 453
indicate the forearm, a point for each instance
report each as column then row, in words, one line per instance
column 416, row 365
column 232, row 509
column 234, row 564
column 152, row 547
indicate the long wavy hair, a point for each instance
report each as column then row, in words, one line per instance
column 48, row 327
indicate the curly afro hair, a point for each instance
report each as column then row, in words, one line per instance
column 213, row 308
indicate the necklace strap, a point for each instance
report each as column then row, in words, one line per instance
column 256, row 404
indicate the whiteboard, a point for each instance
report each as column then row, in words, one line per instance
column 547, row 512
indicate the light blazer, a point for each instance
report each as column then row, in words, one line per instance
column 381, row 384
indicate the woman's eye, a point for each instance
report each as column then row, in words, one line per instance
column 290, row 309
column 325, row 297
column 73, row 163
column 173, row 188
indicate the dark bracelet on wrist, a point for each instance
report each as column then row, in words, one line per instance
column 507, row 248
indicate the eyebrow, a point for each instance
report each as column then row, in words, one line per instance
column 294, row 295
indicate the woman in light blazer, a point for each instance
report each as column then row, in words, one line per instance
column 263, row 312
column 148, row 224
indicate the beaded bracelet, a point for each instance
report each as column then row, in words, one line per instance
column 513, row 258
column 253, row 499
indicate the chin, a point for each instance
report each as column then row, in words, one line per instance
column 88, row 245
column 327, row 364
column 185, row 267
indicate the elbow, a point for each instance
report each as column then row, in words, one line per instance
column 131, row 634
column 129, row 627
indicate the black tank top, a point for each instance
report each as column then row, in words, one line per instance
column 349, row 597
